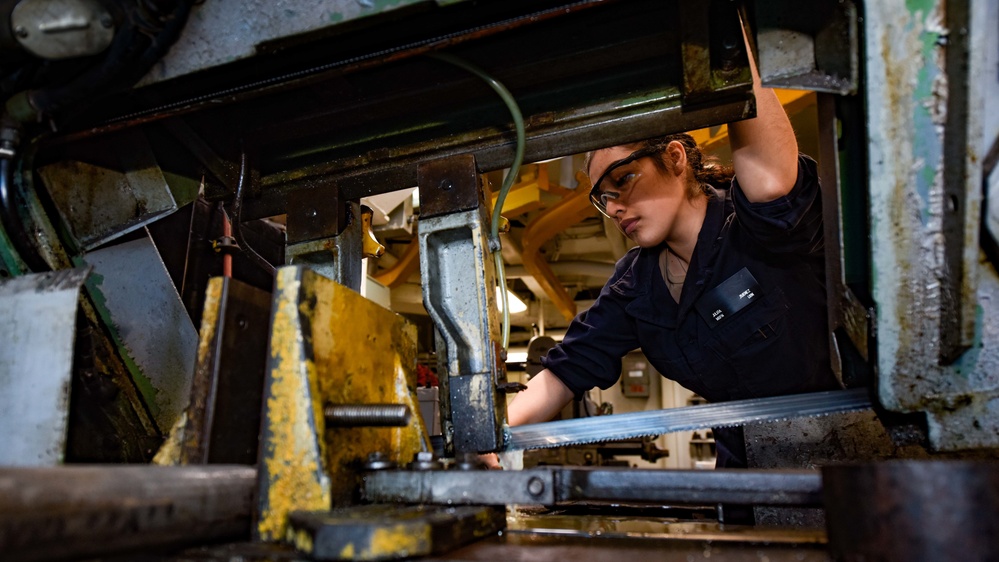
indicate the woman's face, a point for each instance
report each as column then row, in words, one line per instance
column 644, row 200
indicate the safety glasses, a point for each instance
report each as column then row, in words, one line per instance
column 599, row 197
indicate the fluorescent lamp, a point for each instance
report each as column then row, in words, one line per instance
column 516, row 305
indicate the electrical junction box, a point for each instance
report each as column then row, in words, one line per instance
column 635, row 377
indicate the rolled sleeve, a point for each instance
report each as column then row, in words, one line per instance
column 791, row 223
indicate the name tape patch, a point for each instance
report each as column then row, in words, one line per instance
column 729, row 297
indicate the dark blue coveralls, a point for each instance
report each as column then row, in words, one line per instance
column 732, row 335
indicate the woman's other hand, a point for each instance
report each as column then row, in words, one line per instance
column 491, row 460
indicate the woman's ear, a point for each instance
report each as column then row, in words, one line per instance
column 678, row 155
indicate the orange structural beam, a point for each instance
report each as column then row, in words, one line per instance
column 403, row 269
column 567, row 212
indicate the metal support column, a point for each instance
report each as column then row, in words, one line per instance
column 458, row 292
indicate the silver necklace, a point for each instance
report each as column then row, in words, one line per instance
column 668, row 279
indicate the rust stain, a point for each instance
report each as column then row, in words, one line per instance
column 903, row 205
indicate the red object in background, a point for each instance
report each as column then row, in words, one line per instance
column 424, row 376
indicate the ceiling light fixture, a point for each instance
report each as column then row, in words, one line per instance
column 516, row 305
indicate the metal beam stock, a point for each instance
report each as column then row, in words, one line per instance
column 553, row 486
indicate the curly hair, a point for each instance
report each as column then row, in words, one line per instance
column 705, row 171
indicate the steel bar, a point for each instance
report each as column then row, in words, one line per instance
column 757, row 487
column 958, row 304
column 586, row 129
column 93, row 510
column 553, row 486
column 456, row 487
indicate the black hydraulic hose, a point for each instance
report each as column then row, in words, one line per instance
column 12, row 223
column 128, row 45
column 136, row 47
column 237, row 219
column 173, row 24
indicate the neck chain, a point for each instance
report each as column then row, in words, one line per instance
column 669, row 281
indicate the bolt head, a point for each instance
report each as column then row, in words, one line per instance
column 535, row 486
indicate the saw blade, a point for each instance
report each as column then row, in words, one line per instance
column 657, row 422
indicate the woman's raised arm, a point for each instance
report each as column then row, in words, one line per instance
column 764, row 148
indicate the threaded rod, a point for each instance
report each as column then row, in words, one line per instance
column 366, row 415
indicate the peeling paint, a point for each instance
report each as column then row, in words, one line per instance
column 908, row 93
column 365, row 354
column 169, row 452
column 210, row 311
column 295, row 479
column 330, row 345
column 142, row 383
column 398, row 541
column 300, row 539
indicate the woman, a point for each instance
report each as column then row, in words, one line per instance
column 724, row 292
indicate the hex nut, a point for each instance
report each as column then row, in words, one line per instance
column 424, row 460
